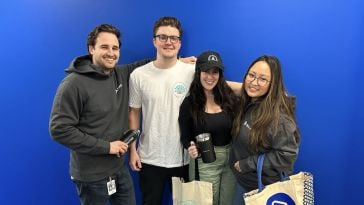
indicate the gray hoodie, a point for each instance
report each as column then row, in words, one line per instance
column 90, row 110
column 279, row 157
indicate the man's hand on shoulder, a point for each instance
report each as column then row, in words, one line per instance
column 189, row 60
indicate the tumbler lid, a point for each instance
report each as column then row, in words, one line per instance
column 203, row 137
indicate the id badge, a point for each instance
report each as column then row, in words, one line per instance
column 111, row 186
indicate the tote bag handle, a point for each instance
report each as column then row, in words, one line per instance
column 259, row 171
column 283, row 174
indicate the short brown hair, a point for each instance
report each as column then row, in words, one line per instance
column 167, row 21
column 91, row 38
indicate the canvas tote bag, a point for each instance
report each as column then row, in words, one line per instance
column 195, row 192
column 293, row 190
column 191, row 193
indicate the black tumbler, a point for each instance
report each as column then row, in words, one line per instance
column 206, row 147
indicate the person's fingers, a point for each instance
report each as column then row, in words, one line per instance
column 237, row 166
column 134, row 167
column 139, row 164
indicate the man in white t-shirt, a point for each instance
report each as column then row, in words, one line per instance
column 157, row 90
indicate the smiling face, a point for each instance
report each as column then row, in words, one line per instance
column 209, row 79
column 257, row 80
column 106, row 51
column 167, row 49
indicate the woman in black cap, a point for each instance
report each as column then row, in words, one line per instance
column 209, row 109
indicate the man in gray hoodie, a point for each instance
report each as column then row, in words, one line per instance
column 89, row 116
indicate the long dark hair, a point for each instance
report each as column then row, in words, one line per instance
column 265, row 117
column 223, row 96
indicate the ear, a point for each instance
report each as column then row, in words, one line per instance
column 154, row 42
column 91, row 49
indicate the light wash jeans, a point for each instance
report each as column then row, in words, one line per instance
column 219, row 174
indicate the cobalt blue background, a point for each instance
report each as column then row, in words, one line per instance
column 320, row 44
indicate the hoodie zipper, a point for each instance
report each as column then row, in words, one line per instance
column 117, row 84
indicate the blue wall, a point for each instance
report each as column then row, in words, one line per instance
column 319, row 43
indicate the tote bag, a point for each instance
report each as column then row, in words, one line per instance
column 293, row 190
column 191, row 193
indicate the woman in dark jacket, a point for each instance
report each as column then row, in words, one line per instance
column 265, row 124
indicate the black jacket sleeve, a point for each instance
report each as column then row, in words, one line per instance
column 132, row 66
column 186, row 123
column 283, row 152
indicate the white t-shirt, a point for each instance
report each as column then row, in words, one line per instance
column 160, row 92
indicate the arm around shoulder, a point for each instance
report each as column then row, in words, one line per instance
column 189, row 60
column 132, row 66
column 236, row 87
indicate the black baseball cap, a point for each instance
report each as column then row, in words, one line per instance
column 209, row 59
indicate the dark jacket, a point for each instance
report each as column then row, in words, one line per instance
column 279, row 157
column 90, row 110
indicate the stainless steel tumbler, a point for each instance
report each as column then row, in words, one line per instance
column 206, row 148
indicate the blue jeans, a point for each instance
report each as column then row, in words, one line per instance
column 96, row 193
column 238, row 196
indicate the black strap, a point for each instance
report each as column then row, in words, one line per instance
column 197, row 173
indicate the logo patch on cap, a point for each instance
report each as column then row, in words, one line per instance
column 212, row 58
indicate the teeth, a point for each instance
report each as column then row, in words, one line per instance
column 109, row 59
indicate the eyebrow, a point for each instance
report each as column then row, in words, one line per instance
column 107, row 45
column 260, row 75
column 166, row 35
